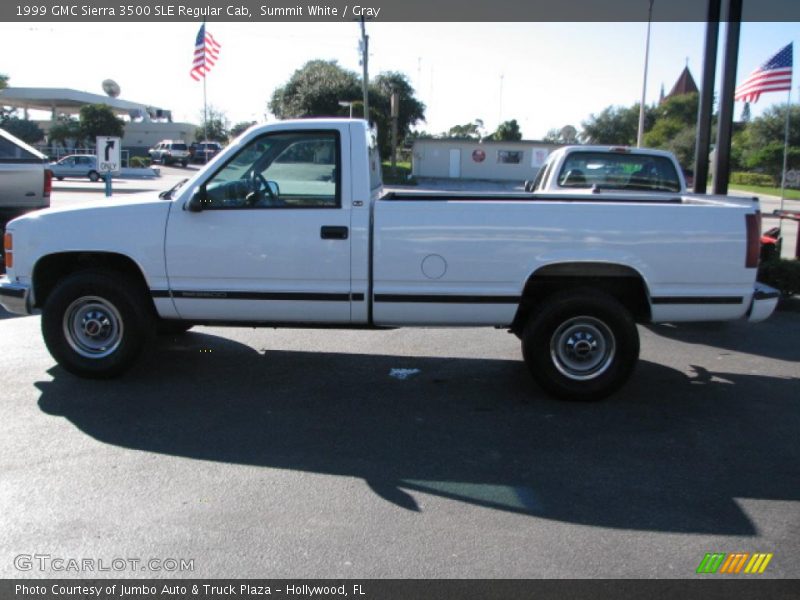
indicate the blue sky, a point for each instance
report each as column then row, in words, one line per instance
column 545, row 75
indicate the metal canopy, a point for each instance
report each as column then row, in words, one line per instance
column 67, row 100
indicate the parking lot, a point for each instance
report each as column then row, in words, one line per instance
column 423, row 453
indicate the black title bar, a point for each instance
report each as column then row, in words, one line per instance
column 383, row 10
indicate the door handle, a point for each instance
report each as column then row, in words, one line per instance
column 333, row 232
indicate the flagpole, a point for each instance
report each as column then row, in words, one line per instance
column 786, row 144
column 205, row 110
column 205, row 102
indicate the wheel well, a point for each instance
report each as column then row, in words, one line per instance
column 622, row 283
column 51, row 269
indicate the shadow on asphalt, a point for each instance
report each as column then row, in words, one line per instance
column 768, row 338
column 669, row 453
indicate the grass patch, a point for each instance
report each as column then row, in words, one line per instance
column 402, row 177
column 769, row 191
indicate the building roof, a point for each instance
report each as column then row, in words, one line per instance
column 485, row 142
column 64, row 99
column 684, row 85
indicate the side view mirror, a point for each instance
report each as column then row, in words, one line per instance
column 197, row 201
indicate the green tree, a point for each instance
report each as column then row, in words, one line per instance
column 467, row 131
column 566, row 135
column 240, row 128
column 99, row 119
column 315, row 90
column 25, row 129
column 410, row 110
column 65, row 131
column 769, row 159
column 759, row 146
column 215, row 128
column 615, row 125
column 507, row 131
column 5, row 113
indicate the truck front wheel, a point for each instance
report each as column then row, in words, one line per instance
column 581, row 345
column 95, row 324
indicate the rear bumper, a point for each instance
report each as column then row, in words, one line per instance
column 765, row 299
column 15, row 297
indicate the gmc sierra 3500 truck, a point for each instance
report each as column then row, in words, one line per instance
column 290, row 226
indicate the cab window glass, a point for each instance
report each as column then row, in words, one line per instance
column 619, row 171
column 281, row 170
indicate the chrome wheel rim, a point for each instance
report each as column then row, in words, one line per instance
column 93, row 327
column 582, row 348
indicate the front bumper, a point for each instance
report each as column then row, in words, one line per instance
column 15, row 297
column 765, row 299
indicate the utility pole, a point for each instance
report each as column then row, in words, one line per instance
column 365, row 66
column 722, row 154
column 640, row 133
column 706, row 104
column 395, row 115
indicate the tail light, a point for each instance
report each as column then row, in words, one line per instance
column 753, row 223
column 48, row 183
column 7, row 247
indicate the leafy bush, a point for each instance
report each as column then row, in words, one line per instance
column 752, row 179
column 139, row 161
column 782, row 274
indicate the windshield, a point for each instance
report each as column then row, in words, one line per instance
column 619, row 171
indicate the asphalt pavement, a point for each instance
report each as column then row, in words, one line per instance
column 302, row 453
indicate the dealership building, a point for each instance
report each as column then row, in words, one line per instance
column 473, row 159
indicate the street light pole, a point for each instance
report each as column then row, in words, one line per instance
column 364, row 64
column 640, row 133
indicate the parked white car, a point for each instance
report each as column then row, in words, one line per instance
column 168, row 152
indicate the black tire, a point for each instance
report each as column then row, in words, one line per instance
column 581, row 344
column 167, row 327
column 94, row 176
column 60, row 178
column 184, row 163
column 95, row 323
column 165, row 160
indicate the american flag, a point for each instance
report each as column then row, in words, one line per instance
column 206, row 52
column 775, row 75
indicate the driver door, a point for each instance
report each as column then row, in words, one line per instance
column 270, row 241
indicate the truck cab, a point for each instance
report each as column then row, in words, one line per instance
column 598, row 169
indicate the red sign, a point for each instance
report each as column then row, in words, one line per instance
column 478, row 155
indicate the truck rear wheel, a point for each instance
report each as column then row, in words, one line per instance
column 95, row 324
column 581, row 345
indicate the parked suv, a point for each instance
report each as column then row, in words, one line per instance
column 170, row 151
column 204, row 151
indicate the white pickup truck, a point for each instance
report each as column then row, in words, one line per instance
column 290, row 226
column 603, row 169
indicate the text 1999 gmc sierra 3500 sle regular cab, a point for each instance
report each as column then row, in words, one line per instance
column 290, row 226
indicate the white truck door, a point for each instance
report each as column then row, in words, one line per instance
column 271, row 241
